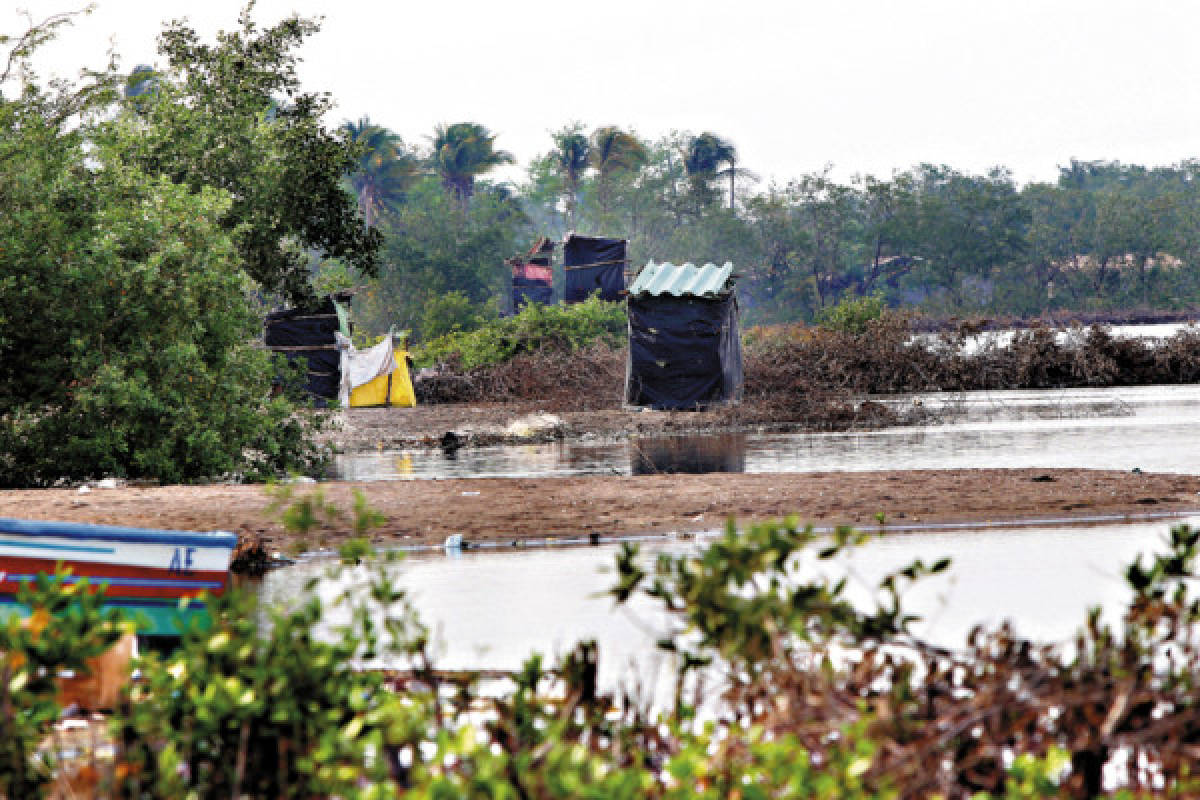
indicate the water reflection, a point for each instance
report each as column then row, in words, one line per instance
column 693, row 455
column 1151, row 427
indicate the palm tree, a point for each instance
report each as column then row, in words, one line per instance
column 614, row 150
column 733, row 172
column 386, row 169
column 463, row 151
column 703, row 156
column 570, row 159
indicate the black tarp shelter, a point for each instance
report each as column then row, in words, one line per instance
column 685, row 348
column 593, row 264
column 307, row 333
column 533, row 276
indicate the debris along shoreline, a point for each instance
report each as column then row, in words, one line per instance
column 482, row 424
column 809, row 378
column 932, row 526
column 506, row 510
column 796, row 379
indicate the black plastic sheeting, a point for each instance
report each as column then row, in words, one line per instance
column 324, row 371
column 296, row 327
column 685, row 353
column 525, row 292
column 593, row 264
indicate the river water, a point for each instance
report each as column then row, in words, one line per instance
column 492, row 608
column 1149, row 427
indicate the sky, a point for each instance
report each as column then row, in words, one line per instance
column 867, row 87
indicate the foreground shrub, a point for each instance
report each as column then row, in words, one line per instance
column 783, row 688
column 261, row 705
column 1004, row 716
column 66, row 627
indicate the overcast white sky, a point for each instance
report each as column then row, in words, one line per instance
column 870, row 87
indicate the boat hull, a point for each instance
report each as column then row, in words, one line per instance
column 160, row 578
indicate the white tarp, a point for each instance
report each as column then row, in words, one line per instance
column 362, row 366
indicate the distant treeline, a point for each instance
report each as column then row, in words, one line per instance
column 1105, row 237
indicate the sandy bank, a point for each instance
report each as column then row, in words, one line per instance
column 425, row 512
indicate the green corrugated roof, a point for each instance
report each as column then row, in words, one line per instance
column 683, row 280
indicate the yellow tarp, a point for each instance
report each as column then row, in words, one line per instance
column 375, row 392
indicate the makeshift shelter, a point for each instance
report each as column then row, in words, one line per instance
column 377, row 376
column 685, row 348
column 533, row 275
column 320, row 336
column 308, row 334
column 593, row 264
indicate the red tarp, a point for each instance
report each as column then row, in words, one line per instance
column 533, row 272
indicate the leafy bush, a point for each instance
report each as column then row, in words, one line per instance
column 818, row 697
column 852, row 314
column 67, row 625
column 260, row 705
column 134, row 359
column 1003, row 716
column 450, row 312
column 560, row 327
column 125, row 329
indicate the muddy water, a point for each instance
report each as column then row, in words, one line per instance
column 1153, row 428
column 491, row 609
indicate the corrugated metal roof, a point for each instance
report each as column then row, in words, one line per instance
column 683, row 280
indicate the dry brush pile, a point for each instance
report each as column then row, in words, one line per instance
column 558, row 378
column 818, row 376
column 888, row 359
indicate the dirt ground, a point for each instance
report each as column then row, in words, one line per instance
column 426, row 512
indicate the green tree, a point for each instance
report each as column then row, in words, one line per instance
column 543, row 197
column 141, row 83
column 124, row 327
column 386, row 169
column 232, row 116
column 733, row 172
column 829, row 211
column 612, row 152
column 571, row 158
column 461, row 153
column 434, row 247
column 887, row 211
column 704, row 156
column 782, row 239
column 966, row 227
